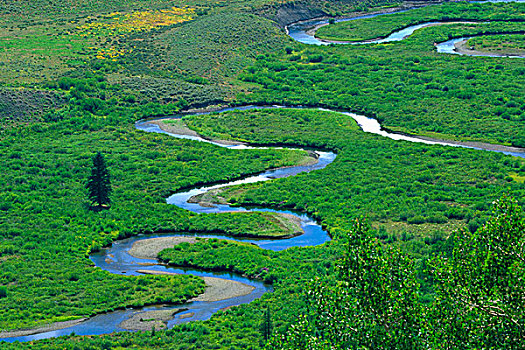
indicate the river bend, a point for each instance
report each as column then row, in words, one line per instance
column 304, row 32
column 116, row 259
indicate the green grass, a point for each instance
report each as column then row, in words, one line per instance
column 38, row 53
column 506, row 44
column 381, row 179
column 48, row 229
column 517, row 178
column 406, row 85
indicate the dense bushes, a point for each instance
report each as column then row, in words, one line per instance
column 413, row 194
column 45, row 217
column 17, row 106
column 374, row 302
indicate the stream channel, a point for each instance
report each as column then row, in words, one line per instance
column 116, row 259
column 304, row 32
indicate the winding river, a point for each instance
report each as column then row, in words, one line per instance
column 116, row 258
column 304, row 32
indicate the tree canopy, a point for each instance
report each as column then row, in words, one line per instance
column 373, row 302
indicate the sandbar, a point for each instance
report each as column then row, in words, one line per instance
column 150, row 248
column 47, row 328
column 216, row 288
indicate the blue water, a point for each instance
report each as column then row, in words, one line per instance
column 298, row 32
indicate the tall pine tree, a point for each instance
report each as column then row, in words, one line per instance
column 266, row 325
column 99, row 184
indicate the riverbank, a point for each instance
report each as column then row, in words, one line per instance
column 148, row 320
column 471, row 144
column 463, row 48
column 409, row 5
column 178, row 127
column 289, row 223
column 42, row 329
column 216, row 288
column 475, row 144
column 313, row 31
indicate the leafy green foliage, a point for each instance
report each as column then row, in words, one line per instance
column 480, row 288
column 373, row 303
column 357, row 304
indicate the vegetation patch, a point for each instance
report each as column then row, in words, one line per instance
column 45, row 214
column 121, row 23
column 504, row 44
column 415, row 184
column 455, row 97
column 24, row 105
column 165, row 90
column 153, row 62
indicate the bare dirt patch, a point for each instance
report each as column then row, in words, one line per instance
column 47, row 328
column 216, row 288
column 150, row 248
column 147, row 320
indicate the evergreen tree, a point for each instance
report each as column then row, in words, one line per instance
column 99, row 184
column 266, row 325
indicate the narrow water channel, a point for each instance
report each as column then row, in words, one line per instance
column 116, row 259
column 304, row 32
column 449, row 47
